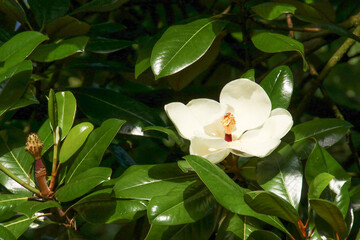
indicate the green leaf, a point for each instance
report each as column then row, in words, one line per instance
column 52, row 110
column 104, row 28
column 47, row 11
column 5, row 234
column 18, row 48
column 13, row 84
column 83, row 183
column 272, row 10
column 237, row 227
column 45, row 134
column 226, row 191
column 330, row 213
column 14, row 9
column 182, row 45
column 29, row 208
column 14, row 158
column 167, row 131
column 66, row 109
column 106, row 45
column 100, row 6
column 28, row 98
column 103, row 194
column 147, row 181
column 101, row 104
column 200, row 230
column 274, row 43
column 111, row 211
column 278, row 85
column 181, row 206
column 250, row 74
column 320, row 161
column 263, row 234
column 74, row 140
column 94, row 148
column 67, row 26
column 318, row 184
column 60, row 49
column 144, row 54
column 281, row 174
column 327, row 132
column 271, row 204
column 8, row 203
column 18, row 225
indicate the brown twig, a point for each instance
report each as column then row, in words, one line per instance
column 290, row 25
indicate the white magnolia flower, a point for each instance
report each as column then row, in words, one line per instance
column 242, row 123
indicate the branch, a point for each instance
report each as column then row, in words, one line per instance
column 318, row 81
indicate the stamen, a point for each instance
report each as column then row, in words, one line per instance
column 228, row 123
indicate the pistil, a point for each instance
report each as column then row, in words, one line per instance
column 228, row 123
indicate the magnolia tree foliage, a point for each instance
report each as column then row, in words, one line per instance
column 154, row 119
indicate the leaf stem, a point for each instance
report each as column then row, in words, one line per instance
column 18, row 180
column 55, row 167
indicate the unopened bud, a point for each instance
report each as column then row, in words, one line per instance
column 34, row 145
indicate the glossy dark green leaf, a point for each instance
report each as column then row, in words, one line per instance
column 272, row 10
column 106, row 45
column 103, row 194
column 249, row 74
column 14, row 158
column 355, row 197
column 83, row 183
column 67, row 26
column 327, row 132
column 111, row 210
column 60, row 49
column 226, row 191
column 96, row 144
column 146, row 45
column 66, row 110
column 5, row 234
column 8, row 202
column 330, row 213
column 281, row 174
column 181, row 79
column 100, row 6
column 235, row 227
column 318, row 184
column 263, row 234
column 101, row 104
column 47, row 11
column 147, row 181
column 320, row 161
column 52, row 110
column 274, row 43
column 74, row 140
column 182, row 45
column 278, row 85
column 45, row 134
column 18, row 225
column 270, row 204
column 181, row 206
column 18, row 48
column 13, row 84
column 200, row 230
column 29, row 208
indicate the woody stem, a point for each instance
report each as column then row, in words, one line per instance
column 18, row 180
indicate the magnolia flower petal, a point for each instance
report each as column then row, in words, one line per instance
column 250, row 104
column 205, row 110
column 251, row 148
column 183, row 119
column 276, row 126
column 213, row 149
